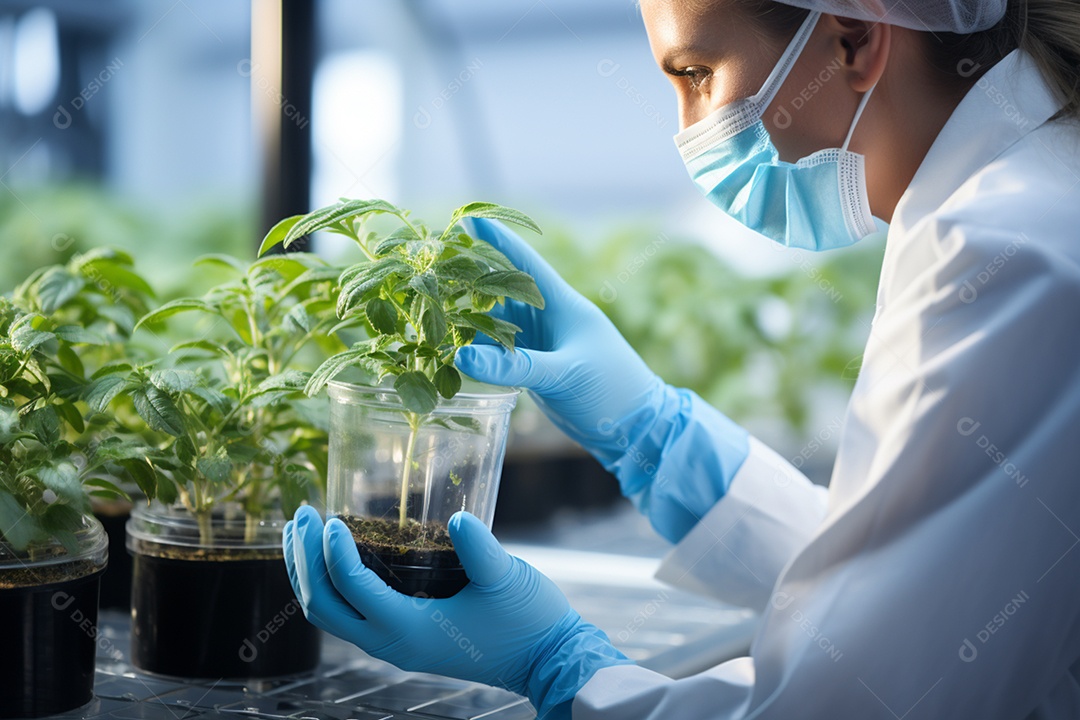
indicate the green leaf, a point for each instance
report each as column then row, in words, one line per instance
column 483, row 253
column 367, row 277
column 382, row 315
column 395, row 239
column 498, row 330
column 213, row 397
column 25, row 338
column 459, row 268
column 174, row 381
column 417, row 393
column 447, row 381
column 114, row 276
column 308, row 277
column 158, row 410
column 70, row 361
column 432, row 323
column 111, row 490
column 513, row 284
column 116, row 366
column 100, row 392
column 221, row 260
column 483, row 303
column 176, row 307
column 71, row 416
column 113, row 449
column 289, row 381
column 44, row 423
column 76, row 334
column 149, row 481
column 56, row 287
column 335, row 365
column 426, row 285
column 332, row 214
column 109, row 255
column 298, row 318
column 206, row 345
column 16, row 526
column 215, row 468
column 63, row 479
column 493, row 212
column 277, row 234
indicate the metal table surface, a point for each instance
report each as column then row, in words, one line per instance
column 664, row 629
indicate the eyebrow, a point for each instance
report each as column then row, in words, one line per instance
column 667, row 63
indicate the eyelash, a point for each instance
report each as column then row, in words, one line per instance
column 697, row 75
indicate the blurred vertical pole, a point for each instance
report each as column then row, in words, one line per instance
column 282, row 71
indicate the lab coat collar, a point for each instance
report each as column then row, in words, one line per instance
column 1010, row 100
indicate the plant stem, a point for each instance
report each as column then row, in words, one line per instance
column 206, row 529
column 251, row 527
column 403, row 505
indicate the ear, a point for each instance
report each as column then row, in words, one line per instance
column 862, row 46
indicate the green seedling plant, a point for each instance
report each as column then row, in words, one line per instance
column 52, row 461
column 422, row 296
column 227, row 404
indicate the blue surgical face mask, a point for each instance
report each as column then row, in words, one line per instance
column 817, row 203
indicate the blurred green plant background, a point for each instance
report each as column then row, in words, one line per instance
column 778, row 353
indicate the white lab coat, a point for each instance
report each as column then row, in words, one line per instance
column 938, row 577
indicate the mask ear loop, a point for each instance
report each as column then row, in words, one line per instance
column 769, row 88
column 858, row 114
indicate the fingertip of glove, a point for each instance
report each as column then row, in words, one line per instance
column 461, row 522
column 335, row 529
column 304, row 515
column 469, row 359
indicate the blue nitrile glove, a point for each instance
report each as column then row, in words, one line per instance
column 510, row 627
column 673, row 453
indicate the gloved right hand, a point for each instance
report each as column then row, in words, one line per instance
column 574, row 362
column 585, row 377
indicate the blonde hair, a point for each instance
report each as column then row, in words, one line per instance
column 1048, row 30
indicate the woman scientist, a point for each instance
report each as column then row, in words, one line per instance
column 941, row 563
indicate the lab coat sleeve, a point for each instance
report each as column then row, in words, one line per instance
column 942, row 582
column 737, row 550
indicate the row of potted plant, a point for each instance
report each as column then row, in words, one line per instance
column 205, row 410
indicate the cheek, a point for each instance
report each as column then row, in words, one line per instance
column 723, row 88
column 812, row 110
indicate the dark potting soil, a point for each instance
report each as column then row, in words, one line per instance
column 47, row 657
column 204, row 613
column 34, row 576
column 417, row 559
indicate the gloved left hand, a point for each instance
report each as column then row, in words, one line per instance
column 510, row 627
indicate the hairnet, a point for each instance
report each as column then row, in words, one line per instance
column 955, row 16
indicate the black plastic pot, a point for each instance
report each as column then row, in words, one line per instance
column 49, row 630
column 436, row 574
column 225, row 610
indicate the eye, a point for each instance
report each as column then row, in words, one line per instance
column 696, row 74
